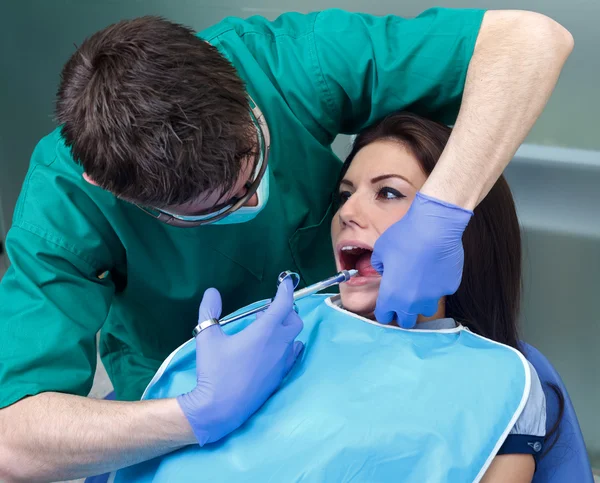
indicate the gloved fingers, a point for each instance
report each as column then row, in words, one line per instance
column 282, row 303
column 207, row 339
column 376, row 260
column 384, row 317
column 406, row 321
column 383, row 308
column 292, row 326
column 294, row 352
column 429, row 308
column 210, row 307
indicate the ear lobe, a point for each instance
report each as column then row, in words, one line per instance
column 89, row 180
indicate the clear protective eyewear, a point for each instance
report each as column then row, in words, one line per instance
column 221, row 211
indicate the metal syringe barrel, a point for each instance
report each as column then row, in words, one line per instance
column 338, row 278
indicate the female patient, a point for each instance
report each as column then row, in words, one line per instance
column 379, row 403
column 388, row 164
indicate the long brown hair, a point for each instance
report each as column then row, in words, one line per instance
column 489, row 297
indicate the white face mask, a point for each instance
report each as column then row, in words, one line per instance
column 248, row 213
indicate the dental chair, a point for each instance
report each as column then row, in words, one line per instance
column 567, row 461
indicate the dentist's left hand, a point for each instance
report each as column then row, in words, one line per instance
column 236, row 374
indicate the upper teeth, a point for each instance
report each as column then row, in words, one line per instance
column 349, row 247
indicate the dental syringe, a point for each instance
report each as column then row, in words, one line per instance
column 338, row 278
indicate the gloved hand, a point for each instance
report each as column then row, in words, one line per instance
column 236, row 374
column 421, row 259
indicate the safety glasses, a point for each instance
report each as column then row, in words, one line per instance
column 221, row 211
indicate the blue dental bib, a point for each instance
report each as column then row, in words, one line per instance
column 366, row 403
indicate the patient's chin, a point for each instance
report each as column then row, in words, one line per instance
column 359, row 302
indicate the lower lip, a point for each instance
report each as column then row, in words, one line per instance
column 359, row 280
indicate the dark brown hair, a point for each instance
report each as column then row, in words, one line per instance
column 155, row 114
column 488, row 299
column 489, row 296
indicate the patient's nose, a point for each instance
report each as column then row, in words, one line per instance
column 351, row 213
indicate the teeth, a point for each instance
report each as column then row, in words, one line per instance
column 352, row 248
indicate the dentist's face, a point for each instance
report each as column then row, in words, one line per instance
column 376, row 192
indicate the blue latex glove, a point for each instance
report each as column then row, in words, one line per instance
column 421, row 259
column 236, row 374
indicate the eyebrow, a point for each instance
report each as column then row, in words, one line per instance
column 376, row 179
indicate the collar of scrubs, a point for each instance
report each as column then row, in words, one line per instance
column 366, row 402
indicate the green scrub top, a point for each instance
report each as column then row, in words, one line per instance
column 85, row 261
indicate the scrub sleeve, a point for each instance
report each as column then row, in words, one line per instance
column 343, row 71
column 53, row 298
column 314, row 76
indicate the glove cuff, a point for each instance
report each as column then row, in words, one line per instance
column 201, row 434
column 429, row 199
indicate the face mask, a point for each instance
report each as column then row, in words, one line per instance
column 248, row 213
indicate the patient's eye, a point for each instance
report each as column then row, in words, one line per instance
column 343, row 196
column 388, row 193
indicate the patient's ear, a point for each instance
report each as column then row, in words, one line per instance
column 89, row 180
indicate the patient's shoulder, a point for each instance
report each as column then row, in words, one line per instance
column 532, row 420
column 528, row 434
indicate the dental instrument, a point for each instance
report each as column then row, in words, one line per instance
column 338, row 278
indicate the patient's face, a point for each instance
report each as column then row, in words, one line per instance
column 376, row 192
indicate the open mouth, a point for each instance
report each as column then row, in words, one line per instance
column 352, row 256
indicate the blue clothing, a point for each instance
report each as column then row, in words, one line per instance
column 367, row 402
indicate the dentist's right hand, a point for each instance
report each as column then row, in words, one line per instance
column 237, row 373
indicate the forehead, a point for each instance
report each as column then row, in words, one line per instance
column 385, row 157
